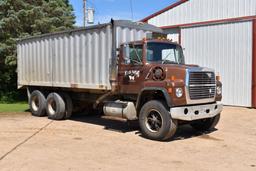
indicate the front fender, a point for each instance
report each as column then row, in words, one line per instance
column 154, row 89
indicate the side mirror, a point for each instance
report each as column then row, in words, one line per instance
column 126, row 51
column 126, row 54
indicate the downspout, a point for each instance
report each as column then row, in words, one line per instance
column 254, row 63
column 113, row 68
column 179, row 35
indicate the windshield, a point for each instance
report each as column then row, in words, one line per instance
column 165, row 53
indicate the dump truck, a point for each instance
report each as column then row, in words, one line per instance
column 123, row 69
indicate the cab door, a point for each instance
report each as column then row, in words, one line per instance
column 131, row 65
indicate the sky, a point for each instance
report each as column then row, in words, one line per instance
column 119, row 9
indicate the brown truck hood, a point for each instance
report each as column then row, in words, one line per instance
column 179, row 71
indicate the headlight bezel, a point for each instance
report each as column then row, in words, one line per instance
column 219, row 90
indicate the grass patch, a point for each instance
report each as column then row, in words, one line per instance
column 14, row 107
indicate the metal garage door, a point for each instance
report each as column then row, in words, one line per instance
column 228, row 49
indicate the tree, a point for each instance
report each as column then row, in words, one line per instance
column 23, row 18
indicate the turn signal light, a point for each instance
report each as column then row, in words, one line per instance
column 173, row 78
column 218, row 78
column 170, row 90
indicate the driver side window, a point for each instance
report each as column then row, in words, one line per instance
column 134, row 55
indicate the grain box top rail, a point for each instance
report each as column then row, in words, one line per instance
column 115, row 23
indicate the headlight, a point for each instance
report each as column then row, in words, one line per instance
column 179, row 92
column 219, row 90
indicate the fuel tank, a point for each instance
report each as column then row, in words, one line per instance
column 120, row 109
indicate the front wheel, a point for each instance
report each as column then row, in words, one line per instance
column 206, row 124
column 156, row 122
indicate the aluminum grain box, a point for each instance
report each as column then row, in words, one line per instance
column 79, row 58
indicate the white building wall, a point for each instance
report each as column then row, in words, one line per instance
column 228, row 49
column 205, row 10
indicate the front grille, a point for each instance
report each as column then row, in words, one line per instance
column 202, row 85
column 199, row 78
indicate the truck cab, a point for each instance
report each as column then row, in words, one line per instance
column 167, row 92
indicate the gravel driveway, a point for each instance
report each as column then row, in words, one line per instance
column 94, row 143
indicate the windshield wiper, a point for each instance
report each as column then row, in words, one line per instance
column 166, row 61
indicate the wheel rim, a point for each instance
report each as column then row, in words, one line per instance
column 35, row 103
column 154, row 121
column 52, row 106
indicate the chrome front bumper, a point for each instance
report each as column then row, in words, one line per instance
column 195, row 112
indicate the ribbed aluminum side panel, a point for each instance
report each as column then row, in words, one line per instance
column 205, row 10
column 79, row 59
column 228, row 49
column 86, row 62
column 125, row 34
column 34, row 62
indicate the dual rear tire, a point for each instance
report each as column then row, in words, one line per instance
column 37, row 103
column 56, row 106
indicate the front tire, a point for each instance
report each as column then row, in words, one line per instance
column 206, row 124
column 156, row 122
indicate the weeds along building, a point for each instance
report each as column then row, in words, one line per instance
column 219, row 34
